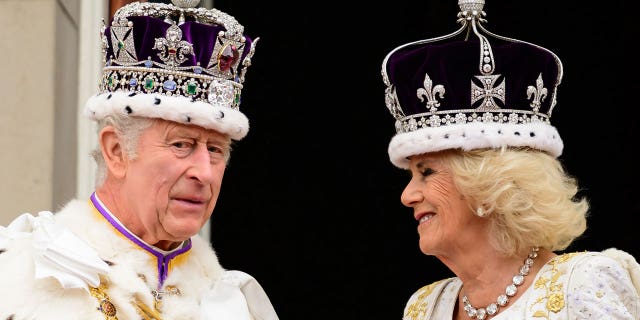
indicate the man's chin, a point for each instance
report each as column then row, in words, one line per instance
column 185, row 232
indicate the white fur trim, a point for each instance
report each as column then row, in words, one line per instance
column 133, row 273
column 174, row 108
column 474, row 135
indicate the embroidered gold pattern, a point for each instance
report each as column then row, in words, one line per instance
column 419, row 307
column 554, row 298
column 555, row 302
column 416, row 309
column 106, row 307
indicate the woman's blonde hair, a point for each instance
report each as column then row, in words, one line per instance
column 529, row 197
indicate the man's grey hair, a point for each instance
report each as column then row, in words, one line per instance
column 129, row 130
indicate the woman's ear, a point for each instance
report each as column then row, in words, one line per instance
column 115, row 157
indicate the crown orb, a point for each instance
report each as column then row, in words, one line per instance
column 185, row 3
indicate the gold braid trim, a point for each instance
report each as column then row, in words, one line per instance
column 145, row 311
column 109, row 310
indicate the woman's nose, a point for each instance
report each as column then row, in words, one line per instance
column 411, row 195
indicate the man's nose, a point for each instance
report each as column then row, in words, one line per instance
column 201, row 165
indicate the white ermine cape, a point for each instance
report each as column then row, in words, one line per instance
column 82, row 264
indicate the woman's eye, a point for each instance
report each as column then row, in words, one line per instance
column 427, row 172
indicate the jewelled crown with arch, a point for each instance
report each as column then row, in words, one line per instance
column 471, row 89
column 174, row 61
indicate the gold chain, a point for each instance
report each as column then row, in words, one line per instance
column 106, row 307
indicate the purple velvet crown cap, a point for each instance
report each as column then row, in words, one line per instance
column 175, row 62
column 455, row 64
column 147, row 29
column 483, row 91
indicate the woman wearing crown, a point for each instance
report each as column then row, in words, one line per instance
column 490, row 198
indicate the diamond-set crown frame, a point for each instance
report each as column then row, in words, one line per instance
column 165, row 72
column 160, row 10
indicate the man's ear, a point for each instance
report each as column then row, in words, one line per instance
column 113, row 152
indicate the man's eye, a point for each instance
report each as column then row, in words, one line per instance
column 181, row 145
column 214, row 149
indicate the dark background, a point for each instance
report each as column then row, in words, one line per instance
column 310, row 204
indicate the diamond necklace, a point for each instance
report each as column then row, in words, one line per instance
column 493, row 308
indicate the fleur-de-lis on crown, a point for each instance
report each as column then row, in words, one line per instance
column 173, row 48
column 431, row 93
column 539, row 93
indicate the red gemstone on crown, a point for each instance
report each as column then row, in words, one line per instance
column 227, row 57
column 172, row 51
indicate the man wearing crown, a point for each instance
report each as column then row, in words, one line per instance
column 167, row 113
column 490, row 196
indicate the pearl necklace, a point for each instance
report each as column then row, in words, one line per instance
column 493, row 308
